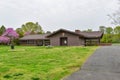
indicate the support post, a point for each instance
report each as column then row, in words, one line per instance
column 85, row 42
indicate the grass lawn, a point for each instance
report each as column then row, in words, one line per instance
column 116, row 44
column 41, row 63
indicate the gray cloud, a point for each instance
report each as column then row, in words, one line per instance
column 55, row 14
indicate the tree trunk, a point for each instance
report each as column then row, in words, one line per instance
column 12, row 43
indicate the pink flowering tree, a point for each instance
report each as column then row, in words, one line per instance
column 4, row 40
column 12, row 34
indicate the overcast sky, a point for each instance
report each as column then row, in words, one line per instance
column 55, row 14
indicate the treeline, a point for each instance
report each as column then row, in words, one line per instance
column 111, row 35
column 26, row 29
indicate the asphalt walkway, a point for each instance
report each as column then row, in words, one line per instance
column 104, row 64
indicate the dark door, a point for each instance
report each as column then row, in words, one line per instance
column 63, row 41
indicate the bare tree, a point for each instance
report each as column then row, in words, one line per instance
column 115, row 17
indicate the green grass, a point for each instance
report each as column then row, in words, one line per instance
column 116, row 44
column 41, row 63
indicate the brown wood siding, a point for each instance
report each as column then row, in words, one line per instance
column 73, row 40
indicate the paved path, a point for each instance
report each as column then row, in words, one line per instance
column 104, row 64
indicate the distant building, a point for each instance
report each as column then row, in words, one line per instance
column 63, row 37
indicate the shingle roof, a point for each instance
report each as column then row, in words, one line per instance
column 93, row 34
column 34, row 37
column 64, row 31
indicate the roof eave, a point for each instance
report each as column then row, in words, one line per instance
column 64, row 31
